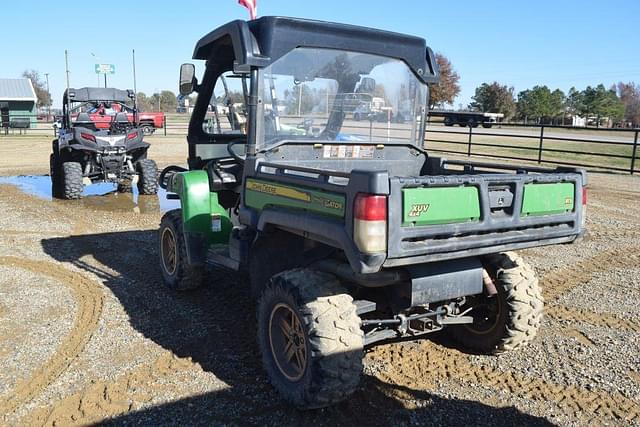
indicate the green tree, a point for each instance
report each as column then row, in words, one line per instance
column 602, row 103
column 574, row 101
column 168, row 101
column 530, row 103
column 164, row 101
column 540, row 104
column 40, row 86
column 494, row 98
column 556, row 104
column 445, row 91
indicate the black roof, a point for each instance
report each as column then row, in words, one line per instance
column 260, row 42
column 85, row 94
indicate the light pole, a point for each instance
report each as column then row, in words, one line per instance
column 97, row 58
column 46, row 75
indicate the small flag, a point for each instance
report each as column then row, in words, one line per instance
column 251, row 5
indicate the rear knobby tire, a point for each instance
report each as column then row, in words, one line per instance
column 147, row 176
column 177, row 273
column 71, row 180
column 329, row 337
column 55, row 174
column 509, row 320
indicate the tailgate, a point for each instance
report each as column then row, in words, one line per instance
column 444, row 217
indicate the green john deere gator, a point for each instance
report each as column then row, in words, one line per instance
column 349, row 232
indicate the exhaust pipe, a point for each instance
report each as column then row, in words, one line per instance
column 489, row 286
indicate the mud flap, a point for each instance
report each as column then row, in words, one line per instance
column 440, row 281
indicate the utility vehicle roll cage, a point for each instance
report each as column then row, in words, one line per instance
column 94, row 94
column 247, row 47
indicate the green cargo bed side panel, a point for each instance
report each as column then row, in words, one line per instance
column 262, row 193
column 440, row 205
column 200, row 207
column 548, row 199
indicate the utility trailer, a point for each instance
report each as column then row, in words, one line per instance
column 349, row 240
column 467, row 118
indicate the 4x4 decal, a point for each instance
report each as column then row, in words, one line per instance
column 418, row 209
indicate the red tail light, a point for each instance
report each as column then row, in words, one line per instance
column 370, row 223
column 370, row 208
column 88, row 136
column 132, row 135
column 584, row 196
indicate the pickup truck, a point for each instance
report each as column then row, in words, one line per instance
column 102, row 114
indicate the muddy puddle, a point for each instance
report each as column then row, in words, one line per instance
column 101, row 196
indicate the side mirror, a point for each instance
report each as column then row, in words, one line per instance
column 187, row 79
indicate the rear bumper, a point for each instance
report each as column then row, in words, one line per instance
column 475, row 251
column 492, row 232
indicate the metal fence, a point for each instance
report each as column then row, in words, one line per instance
column 594, row 148
column 19, row 124
column 32, row 125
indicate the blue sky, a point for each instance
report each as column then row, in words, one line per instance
column 557, row 43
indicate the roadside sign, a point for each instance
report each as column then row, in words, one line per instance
column 105, row 69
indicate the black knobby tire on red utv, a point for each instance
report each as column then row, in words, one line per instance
column 55, row 173
column 71, row 185
column 147, row 176
column 310, row 338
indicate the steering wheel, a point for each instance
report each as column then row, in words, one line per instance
column 238, row 158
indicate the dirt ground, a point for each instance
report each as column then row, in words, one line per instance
column 88, row 334
column 29, row 155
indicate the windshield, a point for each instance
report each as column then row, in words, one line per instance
column 326, row 94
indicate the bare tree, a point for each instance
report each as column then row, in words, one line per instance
column 40, row 86
column 629, row 94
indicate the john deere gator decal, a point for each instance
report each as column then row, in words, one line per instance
column 278, row 190
column 260, row 194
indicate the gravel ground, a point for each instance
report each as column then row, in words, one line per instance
column 88, row 334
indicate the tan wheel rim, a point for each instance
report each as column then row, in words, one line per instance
column 169, row 250
column 288, row 342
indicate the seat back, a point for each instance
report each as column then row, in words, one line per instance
column 121, row 118
column 84, row 121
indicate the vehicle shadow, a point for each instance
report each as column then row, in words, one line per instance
column 215, row 327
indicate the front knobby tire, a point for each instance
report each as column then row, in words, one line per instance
column 310, row 338
column 124, row 186
column 509, row 320
column 177, row 273
column 71, row 184
column 147, row 176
